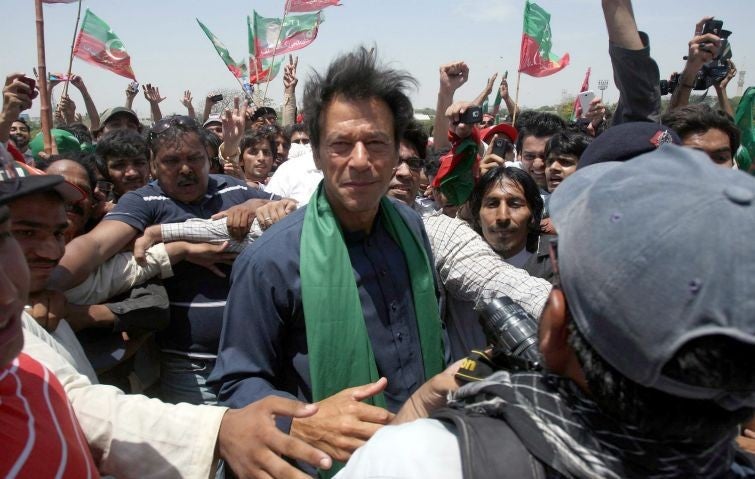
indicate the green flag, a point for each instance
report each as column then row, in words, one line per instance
column 238, row 69
column 743, row 119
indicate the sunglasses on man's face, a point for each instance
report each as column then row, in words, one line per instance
column 301, row 141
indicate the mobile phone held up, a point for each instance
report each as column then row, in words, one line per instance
column 133, row 87
column 585, row 97
column 32, row 86
column 216, row 98
column 473, row 114
column 501, row 146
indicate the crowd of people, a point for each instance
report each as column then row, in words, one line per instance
column 235, row 294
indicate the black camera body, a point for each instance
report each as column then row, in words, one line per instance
column 513, row 334
column 712, row 72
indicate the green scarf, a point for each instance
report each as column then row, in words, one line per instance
column 340, row 352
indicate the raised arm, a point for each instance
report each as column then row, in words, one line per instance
column 723, row 99
column 702, row 49
column 289, row 91
column 94, row 117
column 187, row 102
column 152, row 94
column 130, row 95
column 635, row 73
column 485, row 91
column 452, row 76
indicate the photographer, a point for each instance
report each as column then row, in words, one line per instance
column 703, row 48
column 622, row 394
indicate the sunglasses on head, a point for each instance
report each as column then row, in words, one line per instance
column 182, row 121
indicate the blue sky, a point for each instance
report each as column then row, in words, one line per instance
column 168, row 48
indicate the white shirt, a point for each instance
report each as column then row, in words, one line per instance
column 297, row 178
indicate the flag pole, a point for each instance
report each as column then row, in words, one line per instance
column 275, row 49
column 45, row 113
column 73, row 45
column 516, row 98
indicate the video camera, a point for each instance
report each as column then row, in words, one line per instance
column 712, row 72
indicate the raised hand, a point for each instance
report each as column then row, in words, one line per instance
column 234, row 123
column 152, row 94
column 187, row 99
column 78, row 82
column 289, row 73
column 453, row 76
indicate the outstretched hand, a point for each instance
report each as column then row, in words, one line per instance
column 252, row 445
column 343, row 422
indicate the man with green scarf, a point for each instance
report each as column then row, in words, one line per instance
column 339, row 294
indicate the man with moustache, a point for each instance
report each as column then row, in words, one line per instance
column 184, row 189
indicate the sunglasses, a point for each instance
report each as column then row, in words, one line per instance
column 301, row 141
column 182, row 121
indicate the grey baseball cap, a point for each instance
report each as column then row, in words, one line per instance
column 655, row 252
column 212, row 119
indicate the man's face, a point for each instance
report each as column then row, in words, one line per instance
column 258, row 161
column 80, row 212
column 182, row 168
column 504, row 218
column 14, row 291
column 216, row 128
column 357, row 155
column 127, row 174
column 300, row 137
column 282, row 147
column 39, row 224
column 558, row 167
column 532, row 157
column 405, row 182
column 714, row 143
column 20, row 135
column 120, row 121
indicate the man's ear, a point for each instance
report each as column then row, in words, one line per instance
column 554, row 334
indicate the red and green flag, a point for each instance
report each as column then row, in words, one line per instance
column 300, row 6
column 237, row 68
column 269, row 37
column 536, row 58
column 97, row 44
column 261, row 71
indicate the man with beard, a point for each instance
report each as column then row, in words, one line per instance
column 20, row 134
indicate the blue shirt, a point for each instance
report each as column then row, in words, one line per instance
column 263, row 346
column 197, row 296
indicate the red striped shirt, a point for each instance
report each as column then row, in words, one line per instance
column 39, row 433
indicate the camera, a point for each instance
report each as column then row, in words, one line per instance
column 501, row 146
column 513, row 333
column 712, row 72
column 472, row 114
